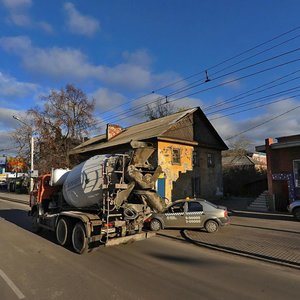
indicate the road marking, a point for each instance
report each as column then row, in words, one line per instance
column 19, row 294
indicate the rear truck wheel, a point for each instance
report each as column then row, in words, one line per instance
column 79, row 239
column 35, row 227
column 296, row 213
column 63, row 231
column 211, row 226
column 155, row 225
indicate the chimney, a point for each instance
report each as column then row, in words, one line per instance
column 112, row 130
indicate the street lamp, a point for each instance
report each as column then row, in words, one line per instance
column 31, row 152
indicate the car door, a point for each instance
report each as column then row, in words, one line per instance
column 175, row 216
column 194, row 215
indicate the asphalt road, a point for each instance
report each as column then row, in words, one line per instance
column 34, row 267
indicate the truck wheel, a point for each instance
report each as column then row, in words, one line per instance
column 155, row 225
column 211, row 226
column 63, row 232
column 79, row 239
column 296, row 213
column 35, row 222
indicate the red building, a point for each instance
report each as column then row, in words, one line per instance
column 283, row 169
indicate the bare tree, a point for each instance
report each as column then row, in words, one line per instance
column 59, row 125
column 238, row 147
column 160, row 108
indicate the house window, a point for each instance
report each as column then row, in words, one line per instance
column 296, row 168
column 176, row 156
column 210, row 160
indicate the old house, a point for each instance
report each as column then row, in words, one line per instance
column 188, row 150
column 283, row 169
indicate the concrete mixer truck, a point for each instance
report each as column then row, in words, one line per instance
column 102, row 201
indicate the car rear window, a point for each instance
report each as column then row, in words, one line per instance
column 194, row 206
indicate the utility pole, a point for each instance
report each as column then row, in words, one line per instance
column 31, row 150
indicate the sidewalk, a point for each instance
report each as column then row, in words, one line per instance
column 234, row 203
column 20, row 198
column 275, row 240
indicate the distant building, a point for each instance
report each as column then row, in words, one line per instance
column 188, row 150
column 283, row 168
column 255, row 160
column 244, row 174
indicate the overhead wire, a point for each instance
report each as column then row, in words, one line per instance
column 191, row 123
column 215, row 66
column 196, row 92
column 249, row 102
column 244, row 94
column 263, row 123
column 255, row 107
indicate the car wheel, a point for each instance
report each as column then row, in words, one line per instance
column 296, row 213
column 211, row 226
column 155, row 225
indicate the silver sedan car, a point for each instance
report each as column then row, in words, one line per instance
column 194, row 213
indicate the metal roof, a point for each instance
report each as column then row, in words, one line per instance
column 142, row 131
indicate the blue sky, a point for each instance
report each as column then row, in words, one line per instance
column 116, row 51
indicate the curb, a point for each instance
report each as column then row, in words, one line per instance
column 242, row 253
column 14, row 200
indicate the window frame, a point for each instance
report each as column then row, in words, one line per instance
column 178, row 156
column 210, row 160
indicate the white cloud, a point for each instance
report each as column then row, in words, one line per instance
column 16, row 4
column 6, row 118
column 45, row 26
column 78, row 23
column 232, row 82
column 11, row 88
column 6, row 144
column 19, row 15
column 69, row 63
column 140, row 57
column 287, row 124
column 20, row 19
column 106, row 99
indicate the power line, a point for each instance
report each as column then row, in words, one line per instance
column 231, row 58
column 254, row 55
column 235, row 71
column 215, row 66
column 244, row 94
column 281, row 93
column 191, row 123
column 265, row 122
column 255, row 107
column 194, row 93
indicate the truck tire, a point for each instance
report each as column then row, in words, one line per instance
column 63, row 231
column 211, row 226
column 79, row 239
column 296, row 213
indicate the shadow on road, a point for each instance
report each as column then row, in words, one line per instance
column 20, row 218
column 178, row 259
